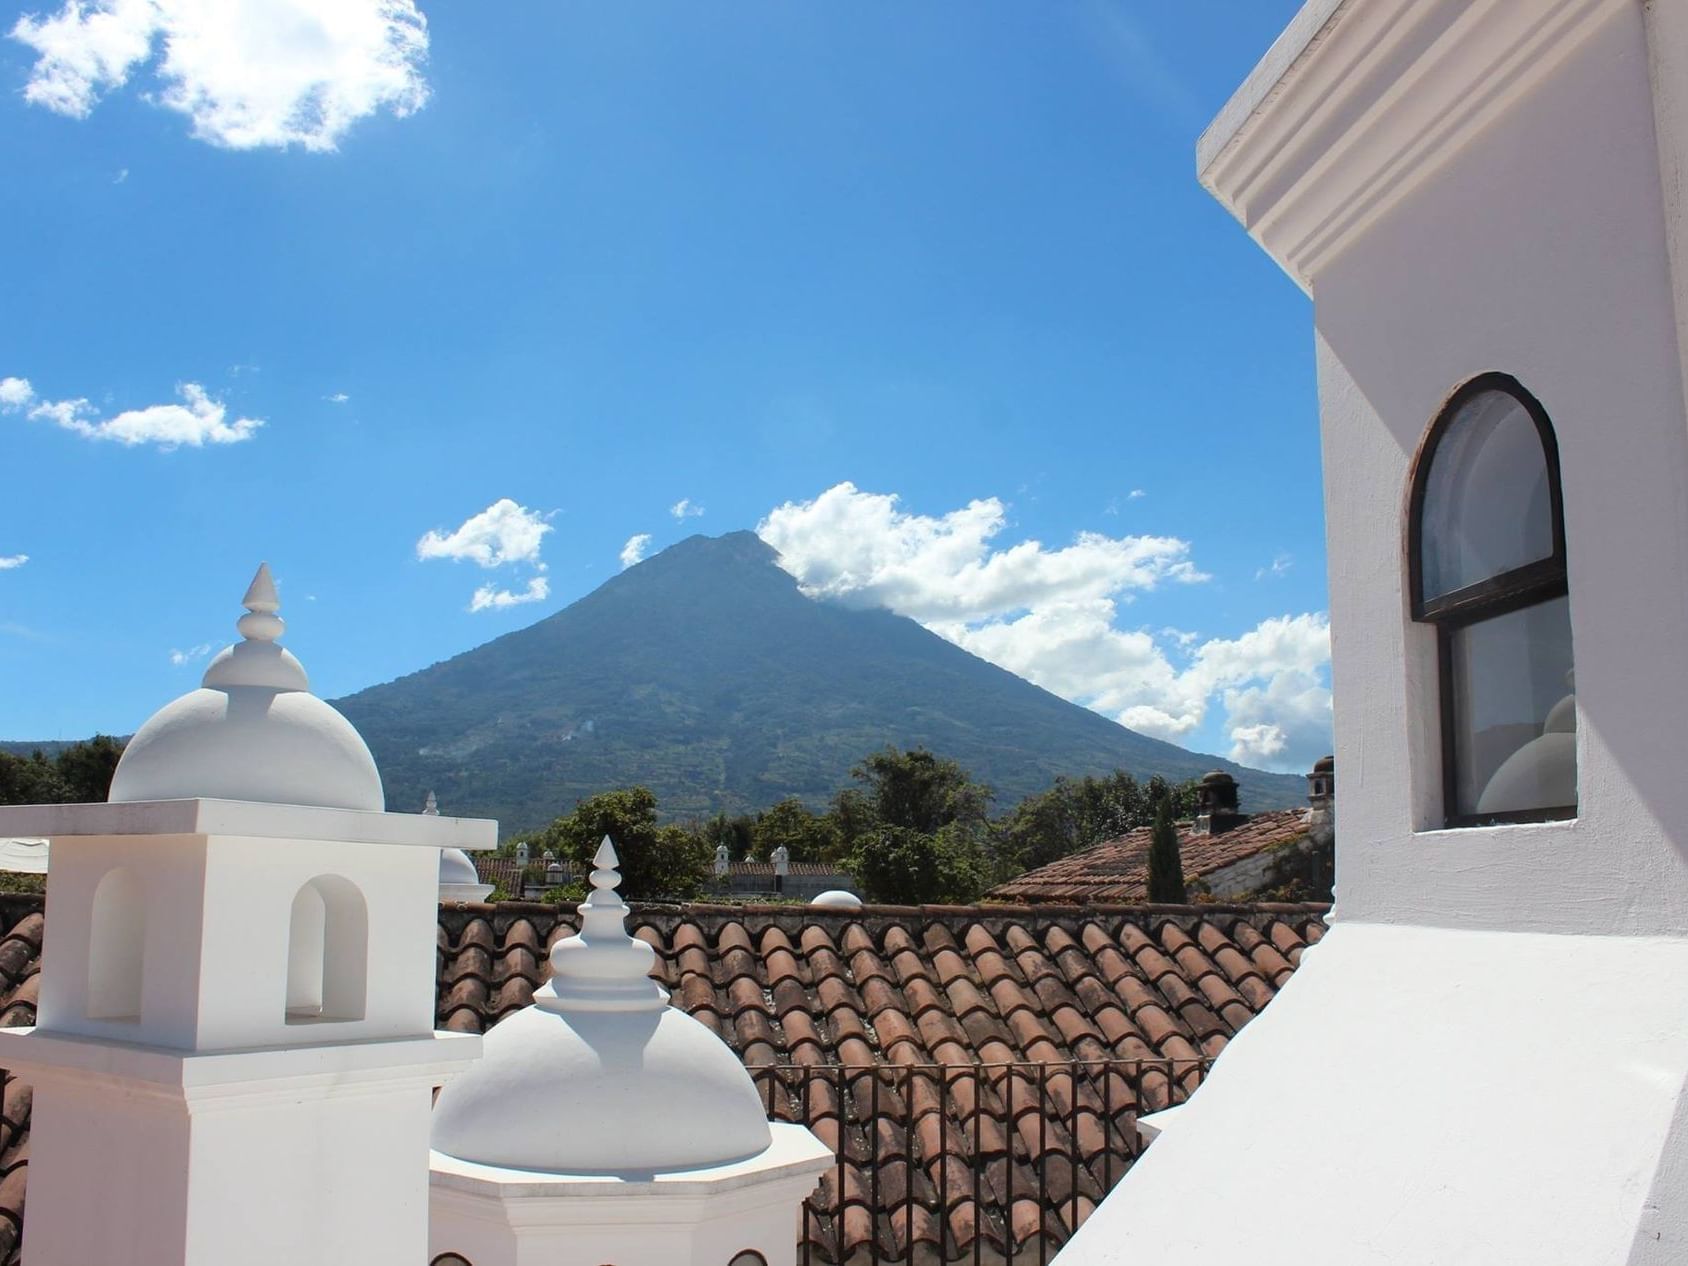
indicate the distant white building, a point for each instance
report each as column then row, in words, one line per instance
column 1484, row 1061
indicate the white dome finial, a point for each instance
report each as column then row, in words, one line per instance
column 252, row 731
column 602, row 968
column 258, row 661
column 261, row 623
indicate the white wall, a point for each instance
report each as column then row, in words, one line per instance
column 1539, row 251
column 145, row 1176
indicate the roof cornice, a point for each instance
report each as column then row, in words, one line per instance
column 1360, row 100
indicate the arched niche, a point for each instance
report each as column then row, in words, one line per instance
column 117, row 947
column 327, row 952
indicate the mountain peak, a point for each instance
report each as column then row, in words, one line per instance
column 731, row 547
column 704, row 674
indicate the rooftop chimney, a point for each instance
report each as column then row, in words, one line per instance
column 1216, row 803
column 1321, row 800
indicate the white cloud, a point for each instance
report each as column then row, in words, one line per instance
column 10, row 562
column 339, row 397
column 490, row 597
column 504, row 534
column 1283, row 724
column 179, row 658
column 1052, row 616
column 246, row 73
column 1279, row 566
column 197, row 421
column 684, row 509
column 122, row 175
column 634, row 550
column 859, row 547
column 1136, row 494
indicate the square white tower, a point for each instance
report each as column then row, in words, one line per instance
column 235, row 1056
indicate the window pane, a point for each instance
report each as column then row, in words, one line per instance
column 1514, row 722
column 1486, row 506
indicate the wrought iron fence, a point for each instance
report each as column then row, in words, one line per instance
column 992, row 1163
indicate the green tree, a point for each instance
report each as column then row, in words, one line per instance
column 85, row 769
column 807, row 836
column 31, row 779
column 914, row 790
column 737, row 833
column 80, row 773
column 907, row 867
column 656, row 861
column 915, row 828
column 1075, row 814
column 1166, row 869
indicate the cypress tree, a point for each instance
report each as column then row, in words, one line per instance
column 1166, row 868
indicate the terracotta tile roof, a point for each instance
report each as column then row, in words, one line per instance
column 794, row 868
column 20, row 974
column 917, row 1032
column 948, row 1134
column 498, row 870
column 1116, row 871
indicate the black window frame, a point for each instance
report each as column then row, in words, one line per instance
column 1542, row 580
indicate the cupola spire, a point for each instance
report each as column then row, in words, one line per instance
column 602, row 968
column 259, row 660
column 261, row 623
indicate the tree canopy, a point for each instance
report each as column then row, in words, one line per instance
column 1077, row 813
column 79, row 774
column 656, row 861
column 913, row 828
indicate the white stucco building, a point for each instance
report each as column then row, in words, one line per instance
column 1484, row 1061
column 235, row 1056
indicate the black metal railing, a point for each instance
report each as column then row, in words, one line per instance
column 984, row 1163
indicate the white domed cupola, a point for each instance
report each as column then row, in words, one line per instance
column 603, row 1125
column 644, row 1087
column 252, row 731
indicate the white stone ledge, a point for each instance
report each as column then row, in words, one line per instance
column 246, row 818
column 38, row 1056
column 794, row 1154
column 1360, row 101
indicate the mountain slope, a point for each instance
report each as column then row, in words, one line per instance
column 706, row 675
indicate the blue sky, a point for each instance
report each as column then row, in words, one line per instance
column 909, row 287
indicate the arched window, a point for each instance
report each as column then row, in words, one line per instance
column 1486, row 544
column 117, row 947
column 327, row 952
